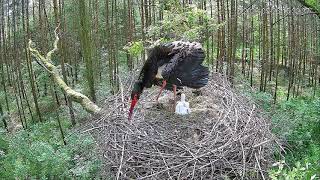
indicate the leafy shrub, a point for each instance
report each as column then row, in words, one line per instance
column 182, row 23
column 301, row 171
column 39, row 153
column 297, row 121
column 135, row 48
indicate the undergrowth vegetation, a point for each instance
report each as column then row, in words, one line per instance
column 39, row 153
column 297, row 123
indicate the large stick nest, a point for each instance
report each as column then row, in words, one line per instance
column 224, row 136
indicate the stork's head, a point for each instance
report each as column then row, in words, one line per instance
column 135, row 95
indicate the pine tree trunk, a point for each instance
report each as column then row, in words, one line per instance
column 86, row 47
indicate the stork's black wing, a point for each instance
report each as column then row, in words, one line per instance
column 185, row 68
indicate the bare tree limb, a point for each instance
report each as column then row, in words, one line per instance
column 55, row 44
column 85, row 102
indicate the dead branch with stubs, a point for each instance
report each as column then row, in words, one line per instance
column 52, row 70
column 226, row 135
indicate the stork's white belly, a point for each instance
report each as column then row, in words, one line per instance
column 160, row 69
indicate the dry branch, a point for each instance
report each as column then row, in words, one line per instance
column 47, row 64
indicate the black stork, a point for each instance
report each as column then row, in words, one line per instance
column 171, row 65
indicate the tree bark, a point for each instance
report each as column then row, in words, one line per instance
column 86, row 46
column 85, row 102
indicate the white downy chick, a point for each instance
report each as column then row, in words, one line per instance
column 182, row 107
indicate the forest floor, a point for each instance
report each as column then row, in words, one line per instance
column 226, row 135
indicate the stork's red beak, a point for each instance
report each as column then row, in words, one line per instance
column 133, row 104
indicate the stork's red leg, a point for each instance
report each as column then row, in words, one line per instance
column 174, row 96
column 164, row 83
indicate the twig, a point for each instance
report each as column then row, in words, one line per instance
column 262, row 143
column 121, row 160
column 260, row 170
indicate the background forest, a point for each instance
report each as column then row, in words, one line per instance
column 269, row 50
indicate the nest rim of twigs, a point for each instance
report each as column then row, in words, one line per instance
column 225, row 136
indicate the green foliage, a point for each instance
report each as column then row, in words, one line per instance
column 170, row 4
column 135, row 48
column 296, row 121
column 314, row 3
column 299, row 122
column 39, row 153
column 190, row 23
column 3, row 143
column 263, row 99
column 301, row 171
